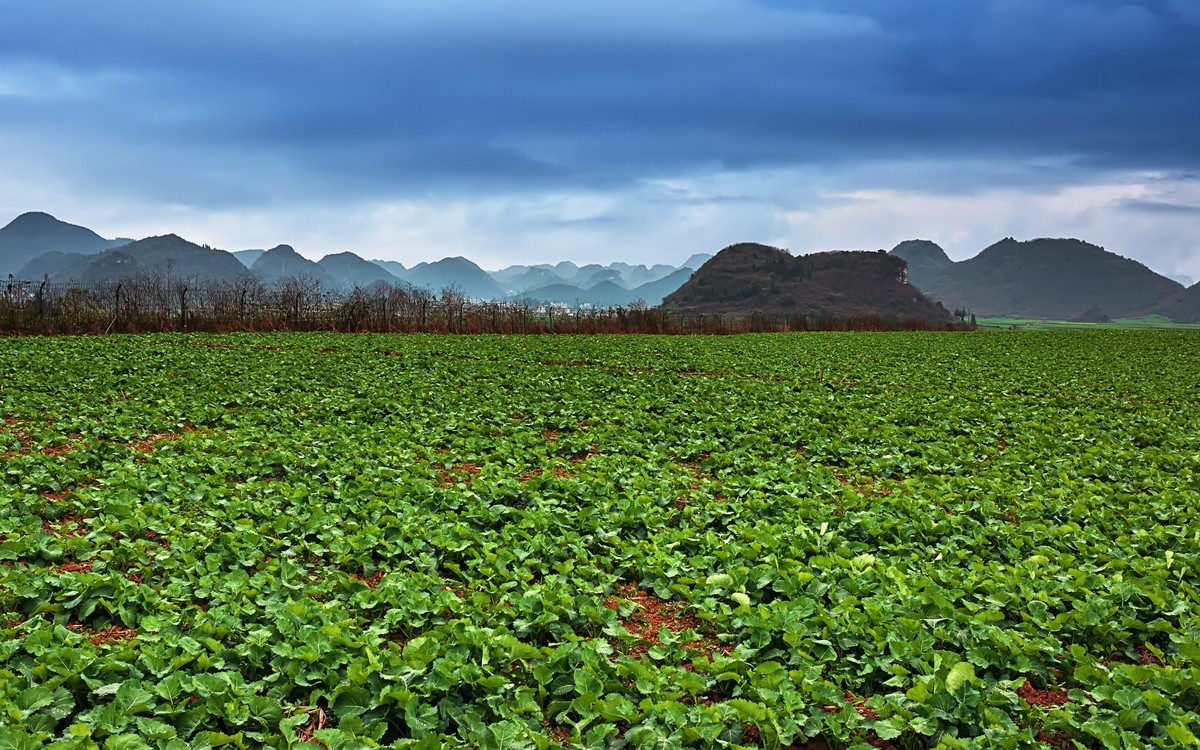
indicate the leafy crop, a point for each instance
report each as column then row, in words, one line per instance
column 813, row 540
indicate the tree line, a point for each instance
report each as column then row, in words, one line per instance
column 158, row 302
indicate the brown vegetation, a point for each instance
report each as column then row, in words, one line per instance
column 148, row 302
column 106, row 636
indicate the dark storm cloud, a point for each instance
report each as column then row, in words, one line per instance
column 305, row 99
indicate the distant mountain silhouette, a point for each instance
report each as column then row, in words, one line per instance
column 636, row 275
column 654, row 292
column 600, row 294
column 561, row 293
column 50, row 264
column 519, row 279
column 1181, row 307
column 508, row 275
column 1061, row 279
column 247, row 257
column 609, row 294
column 168, row 256
column 564, row 268
column 925, row 259
column 393, row 267
column 349, row 270
column 1044, row 278
column 583, row 273
column 750, row 277
column 470, row 279
column 283, row 262
column 36, row 233
column 532, row 277
column 610, row 275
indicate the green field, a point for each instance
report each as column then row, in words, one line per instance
column 1146, row 322
column 981, row 539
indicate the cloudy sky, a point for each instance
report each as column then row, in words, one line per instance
column 637, row 130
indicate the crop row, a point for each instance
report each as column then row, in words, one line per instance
column 812, row 540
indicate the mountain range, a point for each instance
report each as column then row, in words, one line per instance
column 38, row 246
column 1054, row 279
column 33, row 234
column 1062, row 279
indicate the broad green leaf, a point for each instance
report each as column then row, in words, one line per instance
column 959, row 675
column 889, row 729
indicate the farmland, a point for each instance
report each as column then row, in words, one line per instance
column 975, row 540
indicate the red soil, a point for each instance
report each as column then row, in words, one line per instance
column 1046, row 698
column 67, row 525
column 654, row 614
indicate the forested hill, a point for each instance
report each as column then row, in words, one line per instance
column 750, row 277
column 1062, row 279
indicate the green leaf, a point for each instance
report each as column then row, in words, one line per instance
column 352, row 702
column 747, row 709
column 154, row 729
column 219, row 739
column 889, row 729
column 923, row 725
column 31, row 699
column 265, row 711
column 125, row 742
column 12, row 738
column 719, row 579
column 132, row 698
column 1181, row 734
column 959, row 675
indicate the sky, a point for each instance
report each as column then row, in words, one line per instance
column 528, row 131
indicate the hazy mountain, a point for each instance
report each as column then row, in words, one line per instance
column 532, row 277
column 283, row 262
column 1045, row 278
column 657, row 272
column 1181, row 278
column 396, row 269
column 349, row 270
column 610, row 275
column 610, row 294
column 520, row 278
column 564, row 268
column 561, row 293
column 654, row 292
column 247, row 257
column 507, row 276
column 35, row 233
column 470, row 279
column 750, row 277
column 583, row 273
column 636, row 275
column 1181, row 307
column 925, row 259
column 168, row 256
column 606, row 293
column 51, row 264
